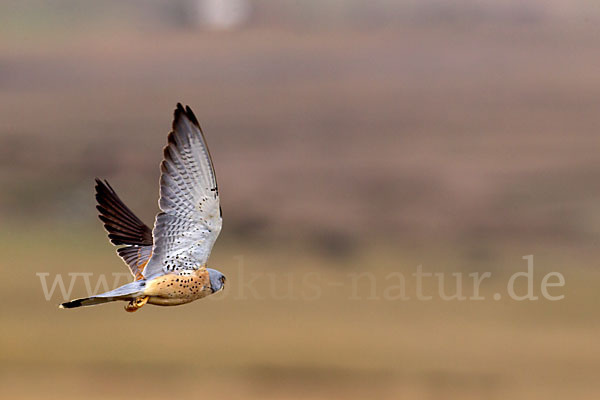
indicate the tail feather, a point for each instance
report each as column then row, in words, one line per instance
column 86, row 301
column 125, row 292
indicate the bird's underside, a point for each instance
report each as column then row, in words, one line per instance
column 168, row 263
column 172, row 290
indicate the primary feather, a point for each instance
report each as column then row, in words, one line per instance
column 124, row 228
column 190, row 219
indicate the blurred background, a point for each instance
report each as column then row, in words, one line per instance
column 348, row 137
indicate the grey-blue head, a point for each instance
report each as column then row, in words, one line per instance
column 217, row 280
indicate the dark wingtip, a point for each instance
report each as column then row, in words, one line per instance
column 177, row 113
column 99, row 186
column 163, row 168
column 103, row 186
column 171, row 138
column 191, row 116
column 187, row 112
column 117, row 218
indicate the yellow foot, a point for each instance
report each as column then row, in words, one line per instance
column 136, row 304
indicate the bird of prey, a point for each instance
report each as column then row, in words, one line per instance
column 169, row 262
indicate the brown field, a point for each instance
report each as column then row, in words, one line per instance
column 295, row 341
column 457, row 140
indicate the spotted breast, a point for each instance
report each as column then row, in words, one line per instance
column 175, row 289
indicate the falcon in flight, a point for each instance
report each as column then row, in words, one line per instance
column 169, row 262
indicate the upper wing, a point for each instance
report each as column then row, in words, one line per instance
column 190, row 219
column 124, row 228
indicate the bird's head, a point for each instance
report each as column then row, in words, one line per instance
column 217, row 280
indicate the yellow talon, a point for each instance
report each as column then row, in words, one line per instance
column 136, row 304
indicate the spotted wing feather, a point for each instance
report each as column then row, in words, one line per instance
column 190, row 220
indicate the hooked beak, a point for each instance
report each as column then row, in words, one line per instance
column 223, row 280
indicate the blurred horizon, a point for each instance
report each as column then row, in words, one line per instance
column 379, row 123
